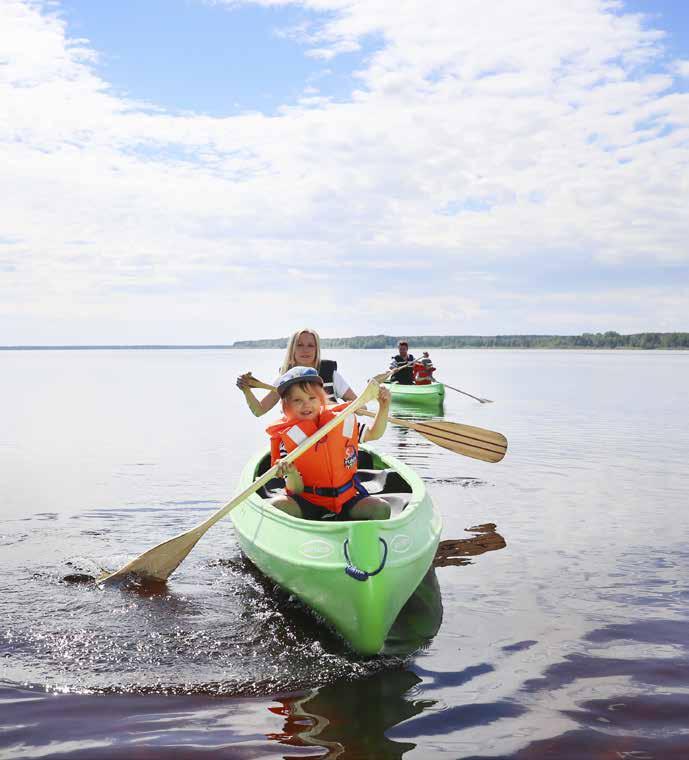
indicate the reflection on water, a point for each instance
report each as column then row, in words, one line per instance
column 409, row 445
column 351, row 719
column 419, row 620
column 428, row 408
column 455, row 551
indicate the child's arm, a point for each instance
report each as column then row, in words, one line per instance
column 292, row 476
column 381, row 421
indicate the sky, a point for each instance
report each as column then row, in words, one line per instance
column 205, row 171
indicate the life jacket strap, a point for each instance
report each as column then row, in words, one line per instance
column 331, row 492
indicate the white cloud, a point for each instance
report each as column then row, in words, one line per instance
column 478, row 132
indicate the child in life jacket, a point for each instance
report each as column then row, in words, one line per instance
column 423, row 370
column 322, row 483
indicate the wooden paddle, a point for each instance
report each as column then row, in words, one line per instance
column 160, row 561
column 480, row 400
column 474, row 442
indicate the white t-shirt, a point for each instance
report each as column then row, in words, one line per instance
column 340, row 385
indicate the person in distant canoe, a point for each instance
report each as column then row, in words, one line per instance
column 404, row 360
column 303, row 350
column 323, row 483
column 423, row 370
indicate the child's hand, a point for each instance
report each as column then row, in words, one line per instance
column 383, row 396
column 285, row 469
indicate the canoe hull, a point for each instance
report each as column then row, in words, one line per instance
column 432, row 394
column 308, row 558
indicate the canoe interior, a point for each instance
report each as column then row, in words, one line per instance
column 374, row 476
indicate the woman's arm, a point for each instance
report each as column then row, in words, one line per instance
column 381, row 421
column 342, row 388
column 258, row 407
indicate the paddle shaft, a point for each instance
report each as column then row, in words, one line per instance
column 480, row 400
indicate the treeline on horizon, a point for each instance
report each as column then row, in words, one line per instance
column 610, row 339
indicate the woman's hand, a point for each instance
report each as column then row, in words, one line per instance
column 247, row 384
column 243, row 382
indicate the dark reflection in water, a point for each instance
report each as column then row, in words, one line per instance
column 456, row 551
column 351, row 720
column 418, row 621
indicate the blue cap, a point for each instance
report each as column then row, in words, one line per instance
column 298, row 375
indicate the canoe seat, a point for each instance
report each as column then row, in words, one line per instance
column 383, row 481
column 387, row 483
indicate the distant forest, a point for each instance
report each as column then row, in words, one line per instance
column 609, row 339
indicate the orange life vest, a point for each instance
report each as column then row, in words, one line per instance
column 423, row 372
column 329, row 467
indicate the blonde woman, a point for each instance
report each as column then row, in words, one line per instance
column 303, row 350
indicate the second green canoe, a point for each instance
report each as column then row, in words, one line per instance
column 431, row 393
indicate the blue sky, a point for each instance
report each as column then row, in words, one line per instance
column 207, row 58
column 670, row 16
column 196, row 171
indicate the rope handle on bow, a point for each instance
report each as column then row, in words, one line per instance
column 357, row 573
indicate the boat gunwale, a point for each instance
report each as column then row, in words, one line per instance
column 397, row 384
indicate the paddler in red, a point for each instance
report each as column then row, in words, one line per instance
column 322, row 484
column 423, row 370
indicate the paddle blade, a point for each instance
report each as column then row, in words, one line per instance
column 477, row 443
column 161, row 561
column 467, row 448
column 383, row 377
column 459, row 428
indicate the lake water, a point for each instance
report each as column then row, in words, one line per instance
column 572, row 641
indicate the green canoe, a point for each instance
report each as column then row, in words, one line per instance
column 357, row 574
column 431, row 393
